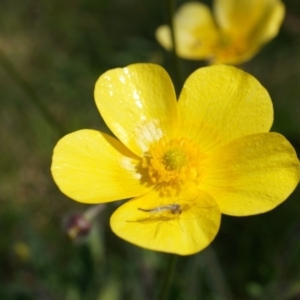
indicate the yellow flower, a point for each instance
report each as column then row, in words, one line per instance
column 236, row 32
column 182, row 163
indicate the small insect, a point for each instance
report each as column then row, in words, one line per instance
column 174, row 209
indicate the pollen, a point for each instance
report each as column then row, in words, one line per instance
column 174, row 159
column 173, row 165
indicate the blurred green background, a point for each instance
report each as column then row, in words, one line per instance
column 54, row 51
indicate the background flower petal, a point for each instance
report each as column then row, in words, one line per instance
column 92, row 167
column 187, row 233
column 195, row 32
column 138, row 103
column 252, row 175
column 247, row 25
column 221, row 103
column 240, row 18
column 267, row 28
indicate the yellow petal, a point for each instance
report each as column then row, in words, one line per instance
column 236, row 52
column 221, row 103
column 149, row 222
column 195, row 32
column 252, row 175
column 239, row 18
column 138, row 103
column 268, row 26
column 247, row 26
column 92, row 167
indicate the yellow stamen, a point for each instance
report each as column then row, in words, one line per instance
column 174, row 165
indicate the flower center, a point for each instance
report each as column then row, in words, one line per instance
column 174, row 159
column 173, row 165
column 229, row 48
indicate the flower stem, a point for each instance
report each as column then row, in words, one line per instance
column 31, row 93
column 175, row 59
column 93, row 211
column 168, row 278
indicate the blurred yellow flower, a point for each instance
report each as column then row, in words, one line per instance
column 183, row 163
column 234, row 34
column 23, row 251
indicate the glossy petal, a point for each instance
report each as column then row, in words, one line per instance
column 138, row 103
column 93, row 167
column 252, row 175
column 221, row 103
column 195, row 31
column 184, row 234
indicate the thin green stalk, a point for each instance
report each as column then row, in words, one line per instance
column 168, row 278
column 31, row 93
column 176, row 63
